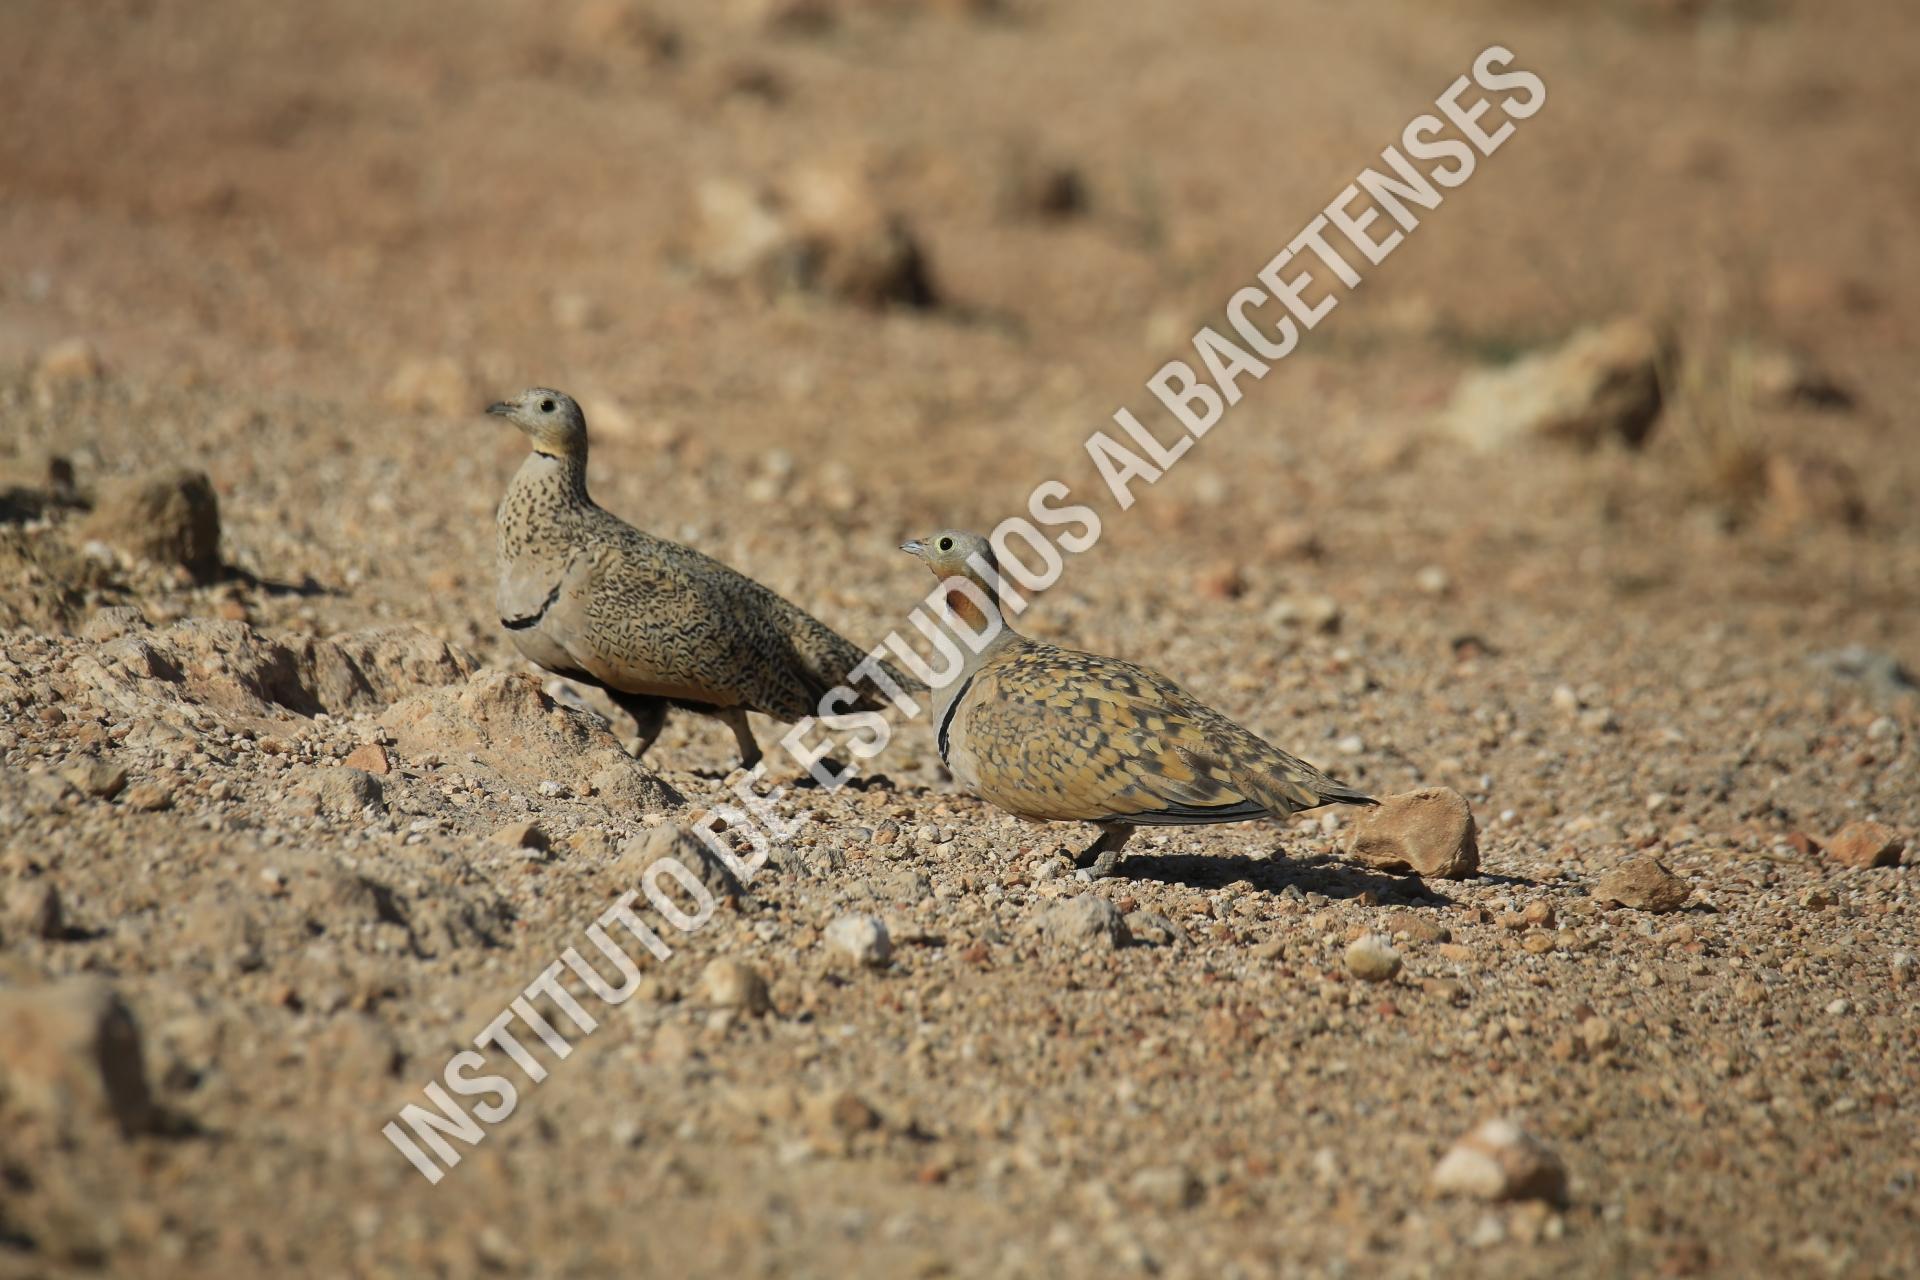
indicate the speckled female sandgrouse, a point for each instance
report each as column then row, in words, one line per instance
column 655, row 624
column 1049, row 734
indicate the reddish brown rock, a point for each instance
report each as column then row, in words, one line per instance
column 371, row 758
column 1866, row 844
column 1430, row 831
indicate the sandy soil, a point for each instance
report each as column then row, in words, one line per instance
column 309, row 243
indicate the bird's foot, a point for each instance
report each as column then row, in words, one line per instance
column 1098, row 863
column 1104, row 854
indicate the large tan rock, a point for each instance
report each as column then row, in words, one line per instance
column 509, row 723
column 169, row 517
column 821, row 230
column 1603, row 383
column 1643, row 884
column 1430, row 831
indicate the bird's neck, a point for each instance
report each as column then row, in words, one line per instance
column 561, row 476
column 963, row 619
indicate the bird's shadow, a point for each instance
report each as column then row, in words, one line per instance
column 307, row 588
column 1273, row 875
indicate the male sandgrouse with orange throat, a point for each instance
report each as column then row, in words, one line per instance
column 1052, row 735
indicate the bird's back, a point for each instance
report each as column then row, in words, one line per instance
column 1046, row 732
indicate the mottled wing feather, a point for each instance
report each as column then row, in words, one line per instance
column 662, row 618
column 1065, row 735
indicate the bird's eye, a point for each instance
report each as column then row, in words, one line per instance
column 546, row 406
column 946, row 544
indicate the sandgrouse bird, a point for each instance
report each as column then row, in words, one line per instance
column 655, row 624
column 1049, row 734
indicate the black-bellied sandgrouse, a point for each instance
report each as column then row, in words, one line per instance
column 655, row 624
column 1052, row 735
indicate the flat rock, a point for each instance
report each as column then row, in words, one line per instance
column 1430, row 831
column 1087, row 920
column 1644, row 885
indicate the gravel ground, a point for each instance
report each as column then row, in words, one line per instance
column 299, row 825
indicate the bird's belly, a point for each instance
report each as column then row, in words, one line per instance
column 541, row 650
column 965, row 768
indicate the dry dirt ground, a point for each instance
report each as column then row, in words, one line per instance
column 307, row 243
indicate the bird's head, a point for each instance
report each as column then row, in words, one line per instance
column 551, row 420
column 968, row 557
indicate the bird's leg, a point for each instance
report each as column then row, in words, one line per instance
column 735, row 718
column 649, row 718
column 1103, row 855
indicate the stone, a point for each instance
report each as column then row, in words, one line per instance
column 1032, row 185
column 373, row 668
column 510, row 724
column 598, row 26
column 1790, row 378
column 837, row 1114
column 1501, row 1161
column 1430, row 831
column 1643, row 884
column 1881, row 672
column 1313, row 613
column 819, row 231
column 1596, row 1033
column 170, row 517
column 33, row 909
column 727, row 983
column 1601, row 384
column 668, row 841
column 1169, row 1187
column 1086, row 920
column 342, row 793
column 1372, row 959
column 70, row 1053
column 863, row 940
column 68, row 363
column 147, row 797
column 98, row 778
column 1804, row 489
column 369, row 758
column 527, row 837
column 1866, row 844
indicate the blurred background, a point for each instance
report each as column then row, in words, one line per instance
column 1598, row 491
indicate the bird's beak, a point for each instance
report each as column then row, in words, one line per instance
column 501, row 410
column 913, row 548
